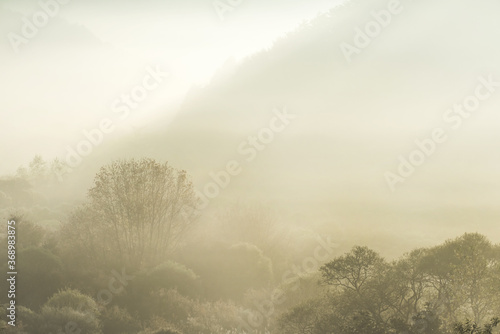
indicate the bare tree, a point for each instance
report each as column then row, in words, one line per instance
column 135, row 208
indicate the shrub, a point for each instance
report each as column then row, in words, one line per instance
column 68, row 320
column 73, row 299
column 118, row 320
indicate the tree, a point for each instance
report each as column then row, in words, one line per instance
column 353, row 270
column 118, row 320
column 302, row 319
column 407, row 284
column 161, row 331
column 135, row 212
column 166, row 331
column 361, row 275
column 474, row 274
column 471, row 327
column 426, row 322
column 462, row 274
column 229, row 271
column 40, row 275
column 73, row 299
column 38, row 169
column 145, row 295
column 67, row 311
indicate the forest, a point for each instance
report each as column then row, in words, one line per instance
column 138, row 256
column 249, row 167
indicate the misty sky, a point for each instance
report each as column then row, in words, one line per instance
column 66, row 77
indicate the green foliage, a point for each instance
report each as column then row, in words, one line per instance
column 426, row 322
column 215, row 287
column 166, row 331
column 73, row 299
column 425, row 291
column 40, row 275
column 160, row 325
column 463, row 273
column 470, row 327
column 325, row 315
column 29, row 320
column 145, row 295
column 172, row 275
column 28, row 234
column 229, row 271
column 175, row 308
column 218, row 317
column 118, row 320
column 67, row 319
column 363, row 322
column 363, row 277
column 161, row 331
column 67, row 311
column 299, row 289
column 302, row 319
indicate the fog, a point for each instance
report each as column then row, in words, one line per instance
column 191, row 41
column 294, row 122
